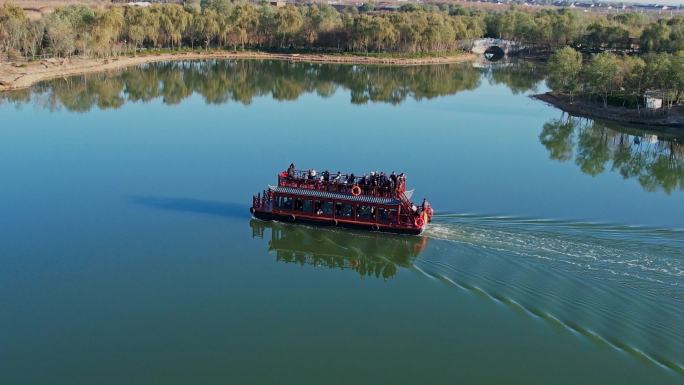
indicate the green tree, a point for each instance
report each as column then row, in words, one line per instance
column 134, row 26
column 79, row 21
column 601, row 75
column 208, row 26
column 632, row 69
column 382, row 33
column 218, row 6
column 107, row 29
column 244, row 20
column 564, row 68
column 13, row 27
column 659, row 75
column 655, row 37
column 677, row 77
column 60, row 35
column 319, row 19
column 288, row 21
column 173, row 20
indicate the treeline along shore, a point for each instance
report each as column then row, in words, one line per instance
column 80, row 30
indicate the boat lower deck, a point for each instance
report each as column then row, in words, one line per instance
column 331, row 222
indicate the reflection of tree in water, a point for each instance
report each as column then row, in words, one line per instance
column 369, row 254
column 223, row 81
column 519, row 77
column 75, row 94
column 657, row 162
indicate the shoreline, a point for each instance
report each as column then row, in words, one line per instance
column 674, row 120
column 14, row 76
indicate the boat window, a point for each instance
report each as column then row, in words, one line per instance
column 365, row 212
column 386, row 215
column 284, row 203
column 327, row 209
column 343, row 210
column 307, row 205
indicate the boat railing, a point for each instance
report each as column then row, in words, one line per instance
column 262, row 201
column 405, row 217
column 342, row 184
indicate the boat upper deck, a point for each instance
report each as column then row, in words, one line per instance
column 375, row 185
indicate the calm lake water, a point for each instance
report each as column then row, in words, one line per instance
column 128, row 255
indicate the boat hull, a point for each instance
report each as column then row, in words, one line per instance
column 327, row 222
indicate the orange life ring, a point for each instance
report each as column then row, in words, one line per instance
column 356, row 190
column 419, row 222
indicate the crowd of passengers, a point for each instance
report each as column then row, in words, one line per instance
column 375, row 183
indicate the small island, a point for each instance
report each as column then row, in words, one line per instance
column 641, row 90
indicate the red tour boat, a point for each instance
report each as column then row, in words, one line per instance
column 375, row 202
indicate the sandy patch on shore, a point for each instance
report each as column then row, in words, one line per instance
column 16, row 76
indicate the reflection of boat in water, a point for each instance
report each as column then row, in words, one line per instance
column 369, row 254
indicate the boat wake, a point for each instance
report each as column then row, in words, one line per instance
column 618, row 285
column 626, row 253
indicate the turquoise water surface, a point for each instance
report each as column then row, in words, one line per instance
column 129, row 256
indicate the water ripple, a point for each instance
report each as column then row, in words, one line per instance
column 614, row 284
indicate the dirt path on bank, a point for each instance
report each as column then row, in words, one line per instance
column 16, row 76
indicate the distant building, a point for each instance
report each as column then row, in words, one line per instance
column 653, row 99
column 278, row 3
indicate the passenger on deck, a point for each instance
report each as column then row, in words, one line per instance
column 363, row 182
column 326, row 176
column 312, row 174
column 351, row 178
column 291, row 171
column 401, row 182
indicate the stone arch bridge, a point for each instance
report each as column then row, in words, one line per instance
column 496, row 46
